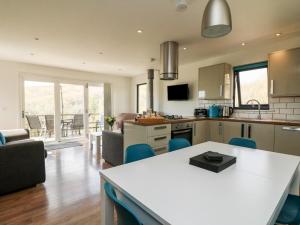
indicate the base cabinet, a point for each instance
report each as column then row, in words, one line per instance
column 200, row 132
column 223, row 131
column 263, row 134
column 216, row 131
column 232, row 130
column 287, row 140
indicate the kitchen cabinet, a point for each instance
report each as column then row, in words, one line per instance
column 287, row 140
column 284, row 73
column 200, row 132
column 263, row 134
column 232, row 129
column 157, row 136
column 214, row 82
column 216, row 132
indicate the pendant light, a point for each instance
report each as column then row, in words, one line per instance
column 216, row 20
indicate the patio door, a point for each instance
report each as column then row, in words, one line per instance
column 56, row 110
column 39, row 109
column 72, row 110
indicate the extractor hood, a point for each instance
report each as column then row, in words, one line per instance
column 169, row 60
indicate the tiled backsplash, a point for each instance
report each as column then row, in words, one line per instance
column 280, row 109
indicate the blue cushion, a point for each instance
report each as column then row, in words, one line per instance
column 2, row 139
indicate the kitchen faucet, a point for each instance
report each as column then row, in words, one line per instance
column 258, row 104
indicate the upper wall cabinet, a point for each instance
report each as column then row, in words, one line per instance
column 215, row 82
column 284, row 73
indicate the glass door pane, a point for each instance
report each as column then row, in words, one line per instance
column 96, row 108
column 39, row 108
column 72, row 110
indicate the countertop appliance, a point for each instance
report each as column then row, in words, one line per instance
column 182, row 130
column 214, row 111
column 200, row 112
column 227, row 111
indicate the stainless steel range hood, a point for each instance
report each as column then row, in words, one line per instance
column 169, row 60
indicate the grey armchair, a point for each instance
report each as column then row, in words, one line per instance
column 22, row 162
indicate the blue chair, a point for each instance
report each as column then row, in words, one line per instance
column 290, row 213
column 178, row 143
column 138, row 152
column 243, row 142
column 125, row 215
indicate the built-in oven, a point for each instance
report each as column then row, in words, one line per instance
column 182, row 130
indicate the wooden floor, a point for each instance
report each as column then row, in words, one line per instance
column 70, row 195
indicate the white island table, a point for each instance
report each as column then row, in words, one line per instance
column 169, row 190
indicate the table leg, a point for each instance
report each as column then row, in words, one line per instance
column 294, row 189
column 107, row 207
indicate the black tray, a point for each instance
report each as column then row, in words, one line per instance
column 216, row 167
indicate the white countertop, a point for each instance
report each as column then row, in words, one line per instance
column 174, row 192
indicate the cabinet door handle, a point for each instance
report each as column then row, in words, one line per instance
column 249, row 130
column 272, row 87
column 242, row 129
column 294, row 129
column 221, row 90
column 160, row 128
column 194, row 129
column 160, row 138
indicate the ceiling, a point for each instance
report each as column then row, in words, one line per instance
column 101, row 35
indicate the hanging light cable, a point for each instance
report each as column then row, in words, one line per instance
column 216, row 20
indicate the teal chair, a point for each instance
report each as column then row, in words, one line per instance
column 138, row 152
column 243, row 142
column 178, row 143
column 290, row 213
column 125, row 214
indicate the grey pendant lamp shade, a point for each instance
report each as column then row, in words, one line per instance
column 216, row 20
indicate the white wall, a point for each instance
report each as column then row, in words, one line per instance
column 188, row 73
column 10, row 88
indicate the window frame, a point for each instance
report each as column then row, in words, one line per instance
column 138, row 96
column 236, row 84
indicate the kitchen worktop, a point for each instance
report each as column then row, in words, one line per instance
column 245, row 120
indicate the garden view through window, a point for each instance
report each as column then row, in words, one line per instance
column 251, row 82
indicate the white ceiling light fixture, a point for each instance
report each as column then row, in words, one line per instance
column 216, row 21
column 181, row 5
column 139, row 31
column 243, row 44
column 278, row 34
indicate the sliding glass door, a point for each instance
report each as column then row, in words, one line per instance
column 96, row 108
column 72, row 110
column 54, row 110
column 38, row 112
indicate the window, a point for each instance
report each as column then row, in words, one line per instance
column 141, row 98
column 251, row 82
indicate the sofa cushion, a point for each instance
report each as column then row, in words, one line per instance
column 2, row 139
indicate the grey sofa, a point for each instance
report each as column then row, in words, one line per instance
column 22, row 161
column 112, row 142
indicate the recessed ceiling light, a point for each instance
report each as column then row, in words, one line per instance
column 120, row 69
column 83, row 62
column 139, row 31
column 100, row 53
column 36, row 38
column 278, row 34
column 184, row 48
column 31, row 53
column 243, row 43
